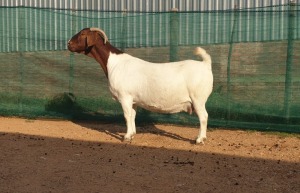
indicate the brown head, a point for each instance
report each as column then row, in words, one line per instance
column 83, row 41
column 94, row 43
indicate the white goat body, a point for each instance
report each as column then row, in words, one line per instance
column 161, row 87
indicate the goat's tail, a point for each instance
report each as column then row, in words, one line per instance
column 205, row 56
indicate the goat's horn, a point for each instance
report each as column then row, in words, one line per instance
column 101, row 33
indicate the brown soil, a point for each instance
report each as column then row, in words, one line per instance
column 63, row 156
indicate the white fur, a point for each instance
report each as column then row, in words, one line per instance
column 161, row 87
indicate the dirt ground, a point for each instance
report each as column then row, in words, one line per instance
column 64, row 156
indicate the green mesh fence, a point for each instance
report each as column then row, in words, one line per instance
column 255, row 53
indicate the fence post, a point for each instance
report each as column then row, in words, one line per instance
column 233, row 30
column 289, row 60
column 72, row 61
column 21, row 39
column 174, row 35
column 124, row 30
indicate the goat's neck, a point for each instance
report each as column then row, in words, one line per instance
column 101, row 55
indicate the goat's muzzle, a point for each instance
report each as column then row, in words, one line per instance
column 70, row 47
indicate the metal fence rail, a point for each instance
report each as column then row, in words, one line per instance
column 146, row 5
column 49, row 29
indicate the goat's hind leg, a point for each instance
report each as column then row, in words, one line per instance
column 203, row 127
column 203, row 118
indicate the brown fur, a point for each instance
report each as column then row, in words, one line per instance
column 92, row 44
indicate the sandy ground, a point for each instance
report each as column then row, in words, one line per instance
column 64, row 156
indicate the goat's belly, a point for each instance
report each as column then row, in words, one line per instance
column 182, row 107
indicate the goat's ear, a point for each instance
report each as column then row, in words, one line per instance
column 88, row 45
column 89, row 42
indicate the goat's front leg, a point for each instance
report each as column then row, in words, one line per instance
column 133, row 115
column 129, row 114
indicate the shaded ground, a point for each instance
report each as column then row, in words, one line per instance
column 64, row 156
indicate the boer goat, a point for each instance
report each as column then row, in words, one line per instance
column 159, row 87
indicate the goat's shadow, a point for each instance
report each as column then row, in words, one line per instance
column 119, row 129
column 65, row 103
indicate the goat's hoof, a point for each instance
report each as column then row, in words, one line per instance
column 128, row 138
column 200, row 140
